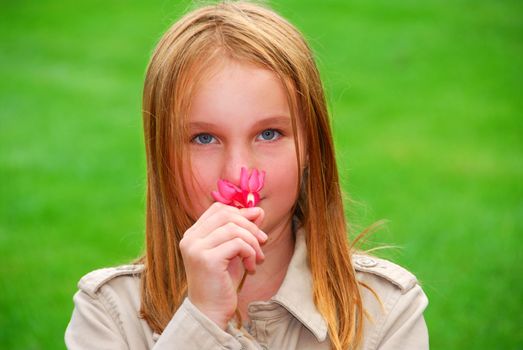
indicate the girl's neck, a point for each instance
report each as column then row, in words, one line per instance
column 264, row 284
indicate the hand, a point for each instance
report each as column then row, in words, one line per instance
column 216, row 250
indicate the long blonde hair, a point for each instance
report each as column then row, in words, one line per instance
column 254, row 34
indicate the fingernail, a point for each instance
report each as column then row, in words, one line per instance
column 263, row 235
column 253, row 210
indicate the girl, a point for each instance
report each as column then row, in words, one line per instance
column 235, row 86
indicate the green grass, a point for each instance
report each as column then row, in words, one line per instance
column 426, row 100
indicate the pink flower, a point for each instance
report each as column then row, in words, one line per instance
column 246, row 195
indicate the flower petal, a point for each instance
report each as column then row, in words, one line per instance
column 261, row 180
column 254, row 181
column 251, row 199
column 227, row 189
column 244, row 179
column 245, row 196
column 239, row 201
column 219, row 198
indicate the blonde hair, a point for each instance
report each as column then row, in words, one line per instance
column 253, row 34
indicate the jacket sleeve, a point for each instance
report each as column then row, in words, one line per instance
column 96, row 324
column 190, row 329
column 405, row 327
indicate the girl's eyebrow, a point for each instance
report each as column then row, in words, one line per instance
column 201, row 125
column 281, row 121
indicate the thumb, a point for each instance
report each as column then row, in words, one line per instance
column 259, row 219
column 254, row 214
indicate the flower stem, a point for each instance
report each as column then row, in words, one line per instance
column 237, row 312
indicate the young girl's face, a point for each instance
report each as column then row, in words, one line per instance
column 240, row 116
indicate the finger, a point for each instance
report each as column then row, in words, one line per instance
column 236, row 247
column 224, row 217
column 229, row 232
column 196, row 229
column 251, row 214
column 255, row 217
column 212, row 210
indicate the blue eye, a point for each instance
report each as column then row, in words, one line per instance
column 203, row 139
column 270, row 134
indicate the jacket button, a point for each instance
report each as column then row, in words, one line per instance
column 365, row 261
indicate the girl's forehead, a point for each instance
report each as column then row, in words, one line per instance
column 225, row 91
column 237, row 90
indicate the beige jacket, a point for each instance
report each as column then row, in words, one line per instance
column 107, row 305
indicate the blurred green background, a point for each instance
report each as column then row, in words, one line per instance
column 426, row 99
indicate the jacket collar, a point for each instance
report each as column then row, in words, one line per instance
column 296, row 292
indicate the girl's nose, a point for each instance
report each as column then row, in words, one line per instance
column 237, row 157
